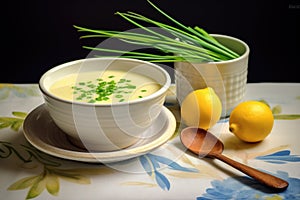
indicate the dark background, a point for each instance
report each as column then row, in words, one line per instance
column 38, row 35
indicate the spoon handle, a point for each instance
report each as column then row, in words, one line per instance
column 267, row 179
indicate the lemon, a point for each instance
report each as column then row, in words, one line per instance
column 251, row 121
column 201, row 108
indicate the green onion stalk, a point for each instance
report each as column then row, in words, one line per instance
column 174, row 43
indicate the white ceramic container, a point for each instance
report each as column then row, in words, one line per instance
column 227, row 78
column 105, row 127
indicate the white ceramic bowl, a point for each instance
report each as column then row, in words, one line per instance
column 227, row 78
column 105, row 127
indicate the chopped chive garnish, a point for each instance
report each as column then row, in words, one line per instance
column 91, row 85
column 105, row 98
column 122, row 80
column 103, row 90
column 119, row 96
column 143, row 90
column 130, row 86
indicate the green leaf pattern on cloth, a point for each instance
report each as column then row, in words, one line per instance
column 13, row 122
column 52, row 171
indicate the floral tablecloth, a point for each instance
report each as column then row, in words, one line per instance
column 167, row 172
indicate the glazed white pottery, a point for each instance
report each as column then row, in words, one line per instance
column 227, row 78
column 43, row 134
column 105, row 127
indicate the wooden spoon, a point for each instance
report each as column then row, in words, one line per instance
column 203, row 143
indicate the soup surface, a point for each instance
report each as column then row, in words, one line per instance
column 104, row 87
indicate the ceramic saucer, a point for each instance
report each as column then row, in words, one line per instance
column 40, row 130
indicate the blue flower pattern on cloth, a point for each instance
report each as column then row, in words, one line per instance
column 152, row 164
column 231, row 188
column 280, row 157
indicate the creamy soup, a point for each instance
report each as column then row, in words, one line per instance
column 104, row 87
